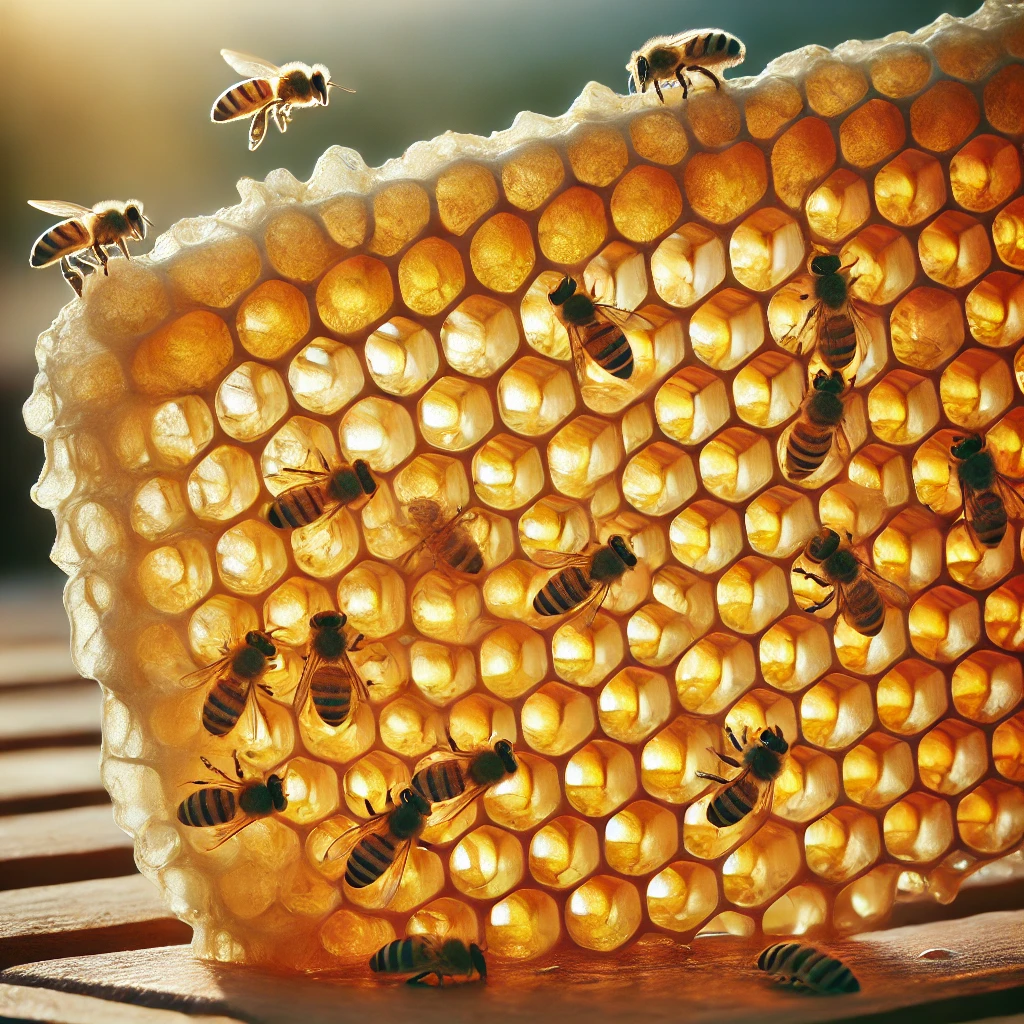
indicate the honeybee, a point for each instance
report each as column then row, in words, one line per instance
column 427, row 954
column 271, row 90
column 107, row 223
column 835, row 323
column 582, row 581
column 233, row 677
column 818, row 429
column 231, row 805
column 327, row 492
column 454, row 778
column 379, row 848
column 595, row 330
column 990, row 499
column 449, row 542
column 699, row 49
column 761, row 762
column 803, row 966
column 328, row 675
column 863, row 594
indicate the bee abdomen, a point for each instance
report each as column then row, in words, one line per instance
column 68, row 236
column 242, row 99
column 440, row 782
column 837, row 343
column 331, row 694
column 714, row 44
column 298, row 506
column 562, row 592
column 990, row 519
column 608, row 347
column 211, row 805
column 224, row 705
column 463, row 554
column 807, row 966
column 369, row 860
column 865, row 608
column 732, row 804
column 806, row 449
column 399, row 957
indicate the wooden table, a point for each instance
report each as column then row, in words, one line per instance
column 83, row 938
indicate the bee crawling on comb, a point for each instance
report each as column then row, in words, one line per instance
column 423, row 955
column 666, row 57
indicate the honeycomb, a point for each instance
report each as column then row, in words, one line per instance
column 400, row 316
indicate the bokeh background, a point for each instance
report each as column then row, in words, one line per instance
column 111, row 98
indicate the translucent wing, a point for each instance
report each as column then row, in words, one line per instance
column 591, row 604
column 392, row 877
column 250, row 66
column 841, row 447
column 623, row 318
column 313, row 662
column 860, row 332
column 1013, row 500
column 58, row 208
column 258, row 128
column 205, row 675
column 222, row 833
column 577, row 345
column 802, row 338
column 887, row 590
column 343, row 846
column 445, row 810
column 559, row 559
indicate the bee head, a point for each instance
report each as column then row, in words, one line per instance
column 275, row 784
column 366, row 481
column 823, row 546
column 258, row 639
column 621, row 548
column 964, row 447
column 328, row 620
column 562, row 292
column 640, row 73
column 508, row 758
column 824, row 265
column 831, row 383
column 320, row 79
column 136, row 219
column 410, row 796
column 774, row 740
column 476, row 954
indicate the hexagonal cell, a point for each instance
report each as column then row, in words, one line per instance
column 765, row 249
column 1008, row 748
column 842, row 844
column 372, row 595
column 487, row 863
column 954, row 249
column 793, row 653
column 445, row 918
column 250, row 557
column 479, row 336
column 911, row 697
column 871, row 133
column 178, row 431
column 603, row 913
column 838, row 206
column 640, row 838
column 991, row 819
column 465, row 192
column 401, row 356
column 645, row 203
column 633, row 704
column 975, row 388
column 944, row 116
column 440, row 673
column 371, row 778
column 879, row 468
column 752, row 594
column 431, row 276
column 779, row 522
column 714, row 117
column 554, row 524
column 910, row 188
column 224, row 484
column 807, row 786
column 522, row 801
column 908, row 552
column 836, row 712
column 659, row 137
column 987, row 685
column 445, row 608
column 802, row 155
column 995, row 309
column 903, row 407
column 973, row 565
column 507, row 472
column 583, row 454
column 706, row 536
column 985, row 173
column 564, row 852
column 400, row 212
column 768, row 390
column 758, row 710
column 531, row 175
column 597, row 155
column 726, row 329
column 657, row 635
column 834, row 86
column 524, row 925
column 556, row 719
column 176, row 576
column 801, row 911
column 250, row 400
column 723, row 186
column 736, row 464
column 761, row 867
column 935, row 479
column 617, row 276
column 870, row 655
column 573, row 226
column 671, row 759
column 878, row 770
column 478, row 721
column 378, row 431
column 600, row 778
column 1004, row 615
column 867, row 902
column 659, row 479
column 952, row 757
column 682, row 896
column 534, row 396
column 158, row 508
column 881, row 262
column 692, row 405
column 353, row 294
column 513, row 659
column 770, row 104
column 714, row 672
column 409, row 727
column 918, row 829
column 944, row 624
column 586, row 655
column 272, row 319
column 454, row 414
column 688, row 265
column 502, row 253
column 851, row 509
column 965, row 52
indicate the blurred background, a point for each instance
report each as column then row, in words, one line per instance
column 112, row 101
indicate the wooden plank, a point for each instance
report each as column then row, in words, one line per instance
column 46, row 661
column 715, row 981
column 61, row 715
column 78, row 918
column 62, row 846
column 50, row 778
column 18, row 1003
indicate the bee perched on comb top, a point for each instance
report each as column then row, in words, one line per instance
column 665, row 57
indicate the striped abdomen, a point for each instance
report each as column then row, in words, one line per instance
column 989, row 519
column 733, row 803
column 865, row 608
column 370, row 858
column 243, row 99
column 806, row 448
column 211, row 805
column 837, row 341
column 807, row 966
column 563, row 592
column 224, row 704
column 461, row 552
column 66, row 237
column 441, row 781
column 298, row 506
column 608, row 347
column 403, row 956
column 715, row 44
column 331, row 692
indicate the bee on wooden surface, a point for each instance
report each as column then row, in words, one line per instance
column 270, row 90
column 803, row 966
column 665, row 57
column 328, row 675
column 862, row 593
column 450, row 544
column 595, row 330
column 750, row 792
column 379, row 849
column 835, row 323
column 582, row 581
column 230, row 805
column 454, row 778
column 233, row 677
column 819, row 428
column 78, row 241
column 424, row 955
column 326, row 492
column 990, row 499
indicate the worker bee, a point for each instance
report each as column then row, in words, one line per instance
column 449, row 542
column 379, row 849
column 454, row 778
column 699, row 49
column 863, row 594
column 595, row 330
column 750, row 792
column 818, row 429
column 582, row 581
column 270, row 90
column 232, row 804
column 803, row 966
column 233, row 677
column 989, row 499
column 326, row 492
column 107, row 223
column 328, row 675
column 424, row 955
column 835, row 323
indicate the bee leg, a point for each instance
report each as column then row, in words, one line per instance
column 657, row 89
column 681, row 78
column 709, row 74
column 812, row 577
column 418, row 979
column 123, row 246
column 732, row 738
column 725, row 758
column 102, row 257
column 72, row 276
column 713, row 778
column 354, row 646
column 369, row 809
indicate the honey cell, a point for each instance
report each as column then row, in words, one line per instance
column 899, row 71
column 681, row 896
column 944, row 116
column 524, row 925
column 975, row 388
column 401, row 356
column 354, row 293
column 910, row 188
column 640, row 838
column 464, row 193
column 995, row 309
column 991, row 818
column 726, row 329
column 400, row 212
column 903, row 407
column 272, row 319
column 659, row 137
column 531, row 175
column 224, row 484
column 175, row 577
column 801, row 156
column 714, row 117
column 296, row 246
column 1008, row 234
column 833, row 87
column 479, row 336
column 770, row 105
column 687, row 265
column 723, row 186
column 454, row 414
column 966, row 54
column 954, row 249
column 872, row 133
column 838, row 206
column 985, row 173
column 250, row 401
column 345, row 219
column 1004, row 100
column 842, row 844
column 186, row 355
column 217, row 272
column 765, row 249
column 573, row 226
column 502, row 253
column 431, row 276
column 603, row 913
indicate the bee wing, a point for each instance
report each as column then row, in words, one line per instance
column 343, row 846
column 442, row 754
column 841, row 444
column 623, row 318
column 887, row 590
column 58, row 208
column 448, row 809
column 559, row 559
column 204, row 675
column 764, row 804
column 860, row 328
column 392, row 877
column 577, row 345
column 1013, row 500
column 591, row 604
column 453, row 524
column 222, row 833
column 250, row 66
column 802, row 338
column 258, row 128
column 313, row 662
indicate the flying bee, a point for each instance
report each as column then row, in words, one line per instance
column 989, row 499
column 379, row 848
column 424, row 955
column 582, row 581
column 595, row 330
column 454, row 778
column 803, row 966
column 270, row 90
column 328, row 675
column 78, row 241
column 449, row 542
column 818, row 429
column 750, row 792
column 232, row 804
column 863, row 594
column 233, row 677
column 835, row 323
column 700, row 49
column 326, row 492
